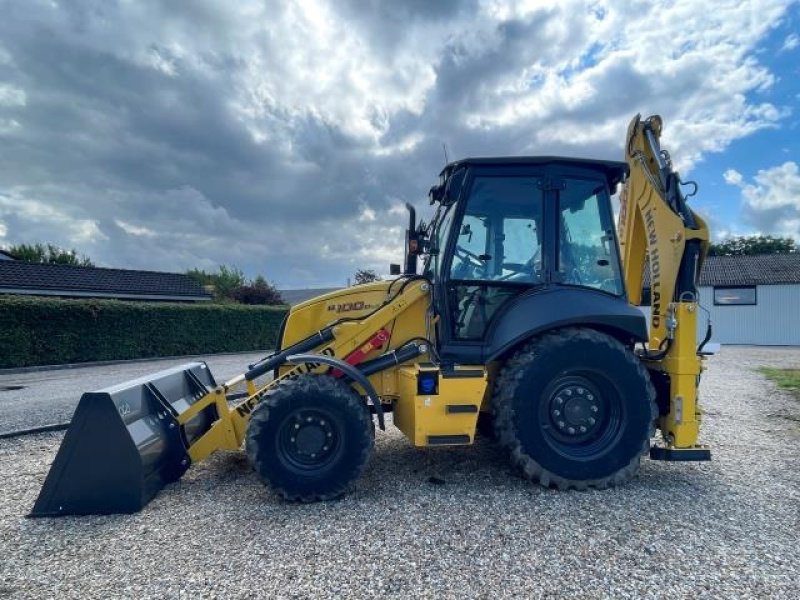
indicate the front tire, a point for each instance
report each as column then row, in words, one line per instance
column 310, row 438
column 575, row 409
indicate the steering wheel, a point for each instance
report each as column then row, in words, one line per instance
column 516, row 269
column 469, row 257
column 527, row 269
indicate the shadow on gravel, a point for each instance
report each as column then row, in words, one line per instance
column 786, row 415
column 225, row 487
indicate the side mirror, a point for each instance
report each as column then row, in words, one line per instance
column 394, row 269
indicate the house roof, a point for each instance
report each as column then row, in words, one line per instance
column 761, row 269
column 758, row 269
column 293, row 297
column 18, row 277
column 6, row 256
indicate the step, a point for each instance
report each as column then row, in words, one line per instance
column 447, row 440
column 460, row 409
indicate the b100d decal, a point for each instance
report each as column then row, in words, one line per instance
column 349, row 306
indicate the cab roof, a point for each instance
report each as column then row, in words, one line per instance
column 615, row 171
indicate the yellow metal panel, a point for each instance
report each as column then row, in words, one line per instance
column 404, row 414
column 219, row 437
column 681, row 425
column 420, row 416
column 314, row 314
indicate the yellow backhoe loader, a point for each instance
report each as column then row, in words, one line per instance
column 520, row 319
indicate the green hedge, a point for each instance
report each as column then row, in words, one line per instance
column 43, row 331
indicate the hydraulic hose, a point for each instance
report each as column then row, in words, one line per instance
column 706, row 339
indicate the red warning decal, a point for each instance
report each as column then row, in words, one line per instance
column 356, row 356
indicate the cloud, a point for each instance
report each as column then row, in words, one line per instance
column 771, row 203
column 11, row 96
column 283, row 136
column 733, row 177
column 791, row 42
column 136, row 230
column 20, row 210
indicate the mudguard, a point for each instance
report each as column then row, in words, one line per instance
column 539, row 310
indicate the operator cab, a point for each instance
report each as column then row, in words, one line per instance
column 507, row 227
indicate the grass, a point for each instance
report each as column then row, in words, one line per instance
column 787, row 379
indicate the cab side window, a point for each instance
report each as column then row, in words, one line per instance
column 587, row 248
column 470, row 257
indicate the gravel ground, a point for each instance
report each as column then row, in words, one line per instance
column 37, row 398
column 723, row 529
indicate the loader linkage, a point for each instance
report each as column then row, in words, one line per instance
column 129, row 441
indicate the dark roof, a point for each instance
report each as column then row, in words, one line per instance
column 761, row 269
column 18, row 277
column 293, row 297
column 614, row 170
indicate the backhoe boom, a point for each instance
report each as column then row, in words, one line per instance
column 657, row 227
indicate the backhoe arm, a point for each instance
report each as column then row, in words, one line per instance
column 657, row 226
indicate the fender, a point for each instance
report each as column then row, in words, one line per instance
column 350, row 371
column 554, row 307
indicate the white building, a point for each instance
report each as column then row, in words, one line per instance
column 751, row 299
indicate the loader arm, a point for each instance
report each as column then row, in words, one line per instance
column 657, row 227
column 340, row 340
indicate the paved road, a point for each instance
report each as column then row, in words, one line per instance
column 45, row 397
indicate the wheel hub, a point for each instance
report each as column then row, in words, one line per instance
column 310, row 440
column 309, row 437
column 576, row 409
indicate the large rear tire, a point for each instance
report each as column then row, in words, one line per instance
column 575, row 409
column 310, row 438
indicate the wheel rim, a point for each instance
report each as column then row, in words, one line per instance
column 581, row 415
column 309, row 439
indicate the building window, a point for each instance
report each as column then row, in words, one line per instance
column 735, row 296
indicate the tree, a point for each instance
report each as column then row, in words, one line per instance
column 223, row 283
column 229, row 284
column 258, row 292
column 49, row 254
column 228, row 280
column 753, row 244
column 366, row 276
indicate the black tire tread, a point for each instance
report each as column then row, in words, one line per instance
column 324, row 385
column 502, row 400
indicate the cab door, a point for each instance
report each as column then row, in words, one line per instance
column 498, row 246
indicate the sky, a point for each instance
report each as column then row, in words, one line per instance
column 285, row 137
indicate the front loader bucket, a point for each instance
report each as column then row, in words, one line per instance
column 125, row 443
